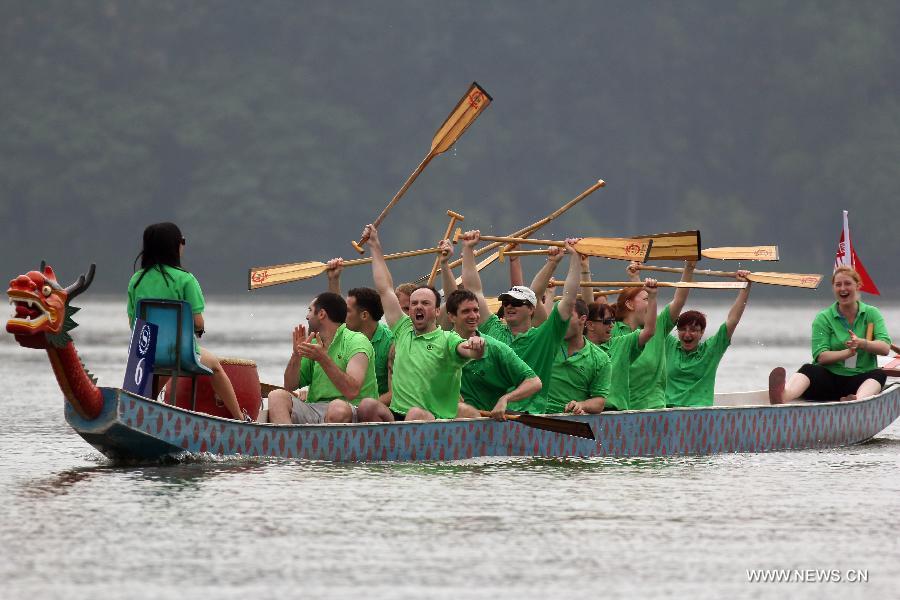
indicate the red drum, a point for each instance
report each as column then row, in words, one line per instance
column 245, row 380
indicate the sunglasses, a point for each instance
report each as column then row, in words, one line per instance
column 183, row 241
column 604, row 321
column 514, row 303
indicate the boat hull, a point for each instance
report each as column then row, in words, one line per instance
column 132, row 427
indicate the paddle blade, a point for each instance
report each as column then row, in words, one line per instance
column 261, row 277
column 680, row 245
column 742, row 253
column 564, row 426
column 472, row 104
column 808, row 281
column 493, row 305
column 617, row 248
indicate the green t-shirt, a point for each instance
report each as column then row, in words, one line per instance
column 345, row 345
column 648, row 371
column 537, row 347
column 829, row 332
column 427, row 370
column 165, row 283
column 692, row 375
column 623, row 350
column 585, row 374
column 381, row 342
column 499, row 371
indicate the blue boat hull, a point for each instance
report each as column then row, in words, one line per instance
column 132, row 427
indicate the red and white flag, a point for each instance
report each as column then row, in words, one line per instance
column 846, row 257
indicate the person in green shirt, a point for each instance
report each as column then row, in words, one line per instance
column 537, row 346
column 336, row 363
column 581, row 371
column 162, row 277
column 691, row 364
column 428, row 361
column 647, row 376
column 499, row 379
column 844, row 366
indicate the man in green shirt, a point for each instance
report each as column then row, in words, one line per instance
column 428, row 361
column 691, row 364
column 537, row 346
column 497, row 380
column 336, row 363
column 581, row 371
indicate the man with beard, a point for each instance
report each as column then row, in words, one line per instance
column 537, row 346
column 581, row 371
column 691, row 365
column 496, row 381
column 337, row 364
column 428, row 361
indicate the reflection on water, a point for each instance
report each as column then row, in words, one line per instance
column 78, row 525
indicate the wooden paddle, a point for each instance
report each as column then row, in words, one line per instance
column 524, row 231
column 707, row 285
column 260, row 277
column 454, row 217
column 616, row 248
column 564, row 426
column 472, row 104
column 785, row 279
column 684, row 245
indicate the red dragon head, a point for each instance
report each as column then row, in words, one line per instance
column 42, row 310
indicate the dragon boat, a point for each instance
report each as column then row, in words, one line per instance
column 124, row 425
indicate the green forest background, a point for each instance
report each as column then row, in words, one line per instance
column 272, row 131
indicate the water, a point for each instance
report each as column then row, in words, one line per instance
column 74, row 525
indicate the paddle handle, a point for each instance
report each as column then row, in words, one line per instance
column 596, row 293
column 396, row 255
column 504, row 253
column 536, row 225
column 454, row 217
column 662, row 284
column 396, row 198
column 517, row 240
column 679, row 270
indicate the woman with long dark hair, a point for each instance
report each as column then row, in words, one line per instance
column 162, row 276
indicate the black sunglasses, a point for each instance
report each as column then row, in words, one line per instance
column 183, row 242
column 604, row 321
column 514, row 302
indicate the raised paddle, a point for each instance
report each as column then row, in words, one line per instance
column 524, row 231
column 616, row 248
column 706, row 285
column 742, row 253
column 454, row 217
column 472, row 104
column 785, row 279
column 564, row 426
column 680, row 245
column 260, row 277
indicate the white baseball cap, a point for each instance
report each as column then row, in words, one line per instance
column 520, row 292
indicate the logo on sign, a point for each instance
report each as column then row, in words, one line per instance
column 144, row 341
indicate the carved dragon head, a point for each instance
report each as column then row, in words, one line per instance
column 43, row 315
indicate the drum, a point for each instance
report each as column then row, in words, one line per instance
column 244, row 378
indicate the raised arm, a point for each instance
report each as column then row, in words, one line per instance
column 542, row 280
column 384, row 284
column 681, row 294
column 335, row 266
column 471, row 280
column 649, row 322
column 516, row 277
column 740, row 303
column 587, row 292
column 573, row 279
column 447, row 282
column 633, row 271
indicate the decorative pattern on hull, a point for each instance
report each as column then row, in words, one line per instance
column 152, row 427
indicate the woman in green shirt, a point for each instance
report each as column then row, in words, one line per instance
column 161, row 276
column 844, row 365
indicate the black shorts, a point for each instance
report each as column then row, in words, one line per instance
column 825, row 386
column 398, row 416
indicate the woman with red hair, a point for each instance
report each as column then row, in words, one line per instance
column 844, row 366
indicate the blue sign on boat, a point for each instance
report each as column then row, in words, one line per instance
column 141, row 354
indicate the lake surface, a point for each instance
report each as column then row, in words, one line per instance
column 74, row 525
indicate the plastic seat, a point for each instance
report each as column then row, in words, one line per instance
column 175, row 355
